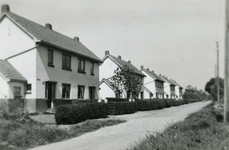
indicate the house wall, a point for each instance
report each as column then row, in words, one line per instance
column 59, row 75
column 15, row 40
column 26, row 64
column 167, row 90
column 149, row 83
column 177, row 92
column 106, row 91
column 107, row 69
column 16, row 84
column 4, row 88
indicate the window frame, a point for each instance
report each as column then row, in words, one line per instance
column 28, row 88
column 64, row 95
column 50, row 63
column 92, row 69
column 66, row 65
column 81, row 70
column 78, row 94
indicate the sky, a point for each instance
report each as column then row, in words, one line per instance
column 175, row 38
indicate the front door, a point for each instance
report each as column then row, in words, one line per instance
column 92, row 93
column 50, row 93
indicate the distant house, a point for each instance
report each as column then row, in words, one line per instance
column 178, row 90
column 56, row 69
column 153, row 84
column 107, row 68
column 169, row 88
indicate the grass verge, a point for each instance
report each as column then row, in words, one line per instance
column 199, row 131
column 22, row 133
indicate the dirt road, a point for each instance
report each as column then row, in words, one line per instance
column 124, row 135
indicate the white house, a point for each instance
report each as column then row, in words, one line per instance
column 154, row 85
column 107, row 68
column 178, row 89
column 169, row 88
column 58, row 69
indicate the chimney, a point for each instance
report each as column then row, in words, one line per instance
column 152, row 71
column 129, row 61
column 48, row 26
column 76, row 38
column 107, row 52
column 119, row 57
column 159, row 74
column 142, row 67
column 148, row 69
column 5, row 8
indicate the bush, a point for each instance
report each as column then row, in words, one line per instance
column 113, row 99
column 120, row 108
column 72, row 114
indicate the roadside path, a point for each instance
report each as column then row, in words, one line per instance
column 124, row 135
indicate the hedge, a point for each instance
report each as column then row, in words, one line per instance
column 72, row 114
column 113, row 99
column 119, row 108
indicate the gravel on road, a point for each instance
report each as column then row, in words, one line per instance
column 124, row 135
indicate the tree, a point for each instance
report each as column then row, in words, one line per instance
column 211, row 88
column 194, row 93
column 126, row 79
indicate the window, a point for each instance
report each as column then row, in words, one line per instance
column 28, row 88
column 81, row 66
column 50, row 58
column 80, row 91
column 92, row 68
column 66, row 89
column 17, row 92
column 66, row 62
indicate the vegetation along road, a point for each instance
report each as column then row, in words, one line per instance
column 124, row 135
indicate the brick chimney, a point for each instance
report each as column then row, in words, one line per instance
column 142, row 67
column 76, row 38
column 129, row 61
column 5, row 8
column 107, row 52
column 148, row 69
column 119, row 57
column 48, row 26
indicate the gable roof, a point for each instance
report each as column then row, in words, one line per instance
column 107, row 82
column 50, row 37
column 121, row 63
column 167, row 80
column 151, row 74
column 176, row 83
column 9, row 72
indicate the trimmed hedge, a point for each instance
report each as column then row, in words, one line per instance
column 72, row 114
column 119, row 108
column 113, row 99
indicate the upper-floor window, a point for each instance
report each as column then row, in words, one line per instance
column 66, row 61
column 92, row 69
column 66, row 89
column 81, row 66
column 80, row 91
column 172, row 88
column 50, row 58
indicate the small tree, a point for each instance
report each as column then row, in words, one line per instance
column 211, row 88
column 126, row 79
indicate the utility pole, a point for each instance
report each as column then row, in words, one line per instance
column 217, row 73
column 226, row 75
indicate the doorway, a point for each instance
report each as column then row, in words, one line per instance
column 50, row 93
column 91, row 93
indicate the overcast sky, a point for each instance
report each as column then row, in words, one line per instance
column 175, row 38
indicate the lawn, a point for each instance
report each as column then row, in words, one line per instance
column 199, row 131
column 19, row 132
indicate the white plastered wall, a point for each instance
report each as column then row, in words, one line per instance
column 4, row 88
column 107, row 69
column 106, row 91
column 13, row 39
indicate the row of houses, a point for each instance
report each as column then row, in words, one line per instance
column 48, row 69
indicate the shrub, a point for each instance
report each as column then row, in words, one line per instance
column 113, row 99
column 122, row 108
column 72, row 114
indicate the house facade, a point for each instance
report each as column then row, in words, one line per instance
column 178, row 89
column 107, row 68
column 169, row 88
column 58, row 69
column 153, row 84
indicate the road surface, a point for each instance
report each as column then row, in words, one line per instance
column 124, row 135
